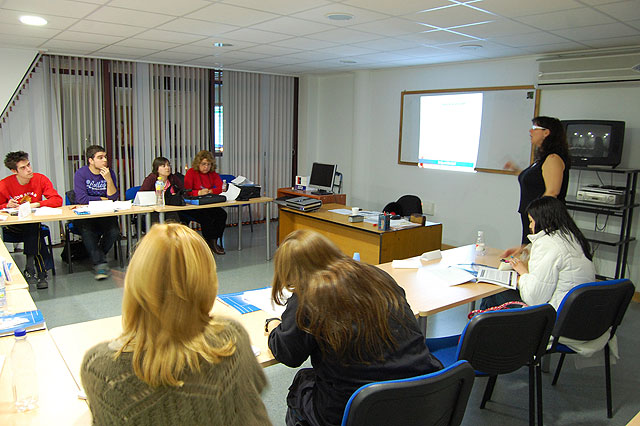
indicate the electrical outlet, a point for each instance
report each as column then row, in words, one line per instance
column 429, row 208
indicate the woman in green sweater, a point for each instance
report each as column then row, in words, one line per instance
column 174, row 363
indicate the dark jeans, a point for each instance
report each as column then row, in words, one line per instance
column 34, row 244
column 212, row 221
column 98, row 236
column 500, row 298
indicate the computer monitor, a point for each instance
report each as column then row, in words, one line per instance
column 321, row 179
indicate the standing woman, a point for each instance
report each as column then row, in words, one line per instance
column 174, row 363
column 201, row 179
column 549, row 173
column 351, row 318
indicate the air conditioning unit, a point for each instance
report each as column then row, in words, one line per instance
column 589, row 67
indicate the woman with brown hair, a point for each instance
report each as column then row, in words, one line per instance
column 351, row 318
column 201, row 179
column 174, row 363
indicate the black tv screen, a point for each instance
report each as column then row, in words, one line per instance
column 595, row 142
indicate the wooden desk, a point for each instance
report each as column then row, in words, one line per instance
column 326, row 199
column 426, row 298
column 17, row 280
column 266, row 200
column 374, row 246
column 75, row 339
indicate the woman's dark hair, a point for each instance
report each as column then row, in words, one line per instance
column 551, row 215
column 159, row 161
column 555, row 142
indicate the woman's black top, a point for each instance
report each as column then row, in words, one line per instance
column 532, row 184
column 335, row 381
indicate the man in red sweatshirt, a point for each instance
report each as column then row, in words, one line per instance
column 21, row 187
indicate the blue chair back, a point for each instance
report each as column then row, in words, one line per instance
column 438, row 398
column 130, row 193
column 590, row 309
column 228, row 178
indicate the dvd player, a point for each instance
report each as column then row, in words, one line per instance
column 606, row 194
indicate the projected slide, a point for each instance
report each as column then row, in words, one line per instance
column 450, row 131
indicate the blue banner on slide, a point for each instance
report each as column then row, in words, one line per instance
column 445, row 163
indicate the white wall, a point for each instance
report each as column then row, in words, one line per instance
column 365, row 106
column 15, row 63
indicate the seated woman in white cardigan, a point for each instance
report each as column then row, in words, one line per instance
column 560, row 258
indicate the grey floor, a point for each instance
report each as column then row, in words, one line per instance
column 578, row 399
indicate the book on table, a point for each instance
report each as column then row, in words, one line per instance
column 508, row 279
column 30, row 321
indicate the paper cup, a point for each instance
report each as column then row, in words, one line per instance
column 355, row 210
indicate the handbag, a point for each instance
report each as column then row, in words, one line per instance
column 508, row 305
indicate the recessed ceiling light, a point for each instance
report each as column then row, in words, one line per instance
column 33, row 20
column 348, row 61
column 470, row 46
column 339, row 16
column 221, row 44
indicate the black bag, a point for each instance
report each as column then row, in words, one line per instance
column 249, row 191
column 176, row 199
column 78, row 251
column 206, row 199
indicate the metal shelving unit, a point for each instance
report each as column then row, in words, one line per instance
column 624, row 211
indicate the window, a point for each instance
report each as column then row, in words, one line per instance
column 218, row 123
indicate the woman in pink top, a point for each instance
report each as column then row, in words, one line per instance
column 201, row 179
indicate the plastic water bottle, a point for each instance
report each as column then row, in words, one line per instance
column 25, row 381
column 160, row 192
column 224, row 185
column 3, row 295
column 481, row 249
column 356, row 256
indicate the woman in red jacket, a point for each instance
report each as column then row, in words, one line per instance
column 201, row 179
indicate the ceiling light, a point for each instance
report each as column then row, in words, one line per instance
column 33, row 20
column 221, row 44
column 347, row 61
column 339, row 16
column 470, row 46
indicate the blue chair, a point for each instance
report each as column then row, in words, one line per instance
column 587, row 312
column 9, row 237
column 229, row 178
column 502, row 342
column 438, row 398
column 69, row 199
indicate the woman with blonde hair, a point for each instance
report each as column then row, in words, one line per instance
column 351, row 318
column 174, row 363
column 201, row 179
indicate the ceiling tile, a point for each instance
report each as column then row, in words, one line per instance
column 11, row 40
column 241, row 55
column 232, row 15
column 451, row 16
column 28, row 30
column 634, row 24
column 169, row 36
column 499, row 27
column 582, row 17
column 614, row 42
column 207, row 61
column 422, row 51
column 270, row 50
column 66, row 46
column 529, row 39
column 173, row 56
column 146, row 44
column 511, row 8
column 123, row 50
column 391, row 27
column 72, row 9
column 555, row 47
column 380, row 57
column 118, row 15
column 397, row 8
column 597, row 32
column 624, row 11
column 319, row 14
column 168, row 7
column 283, row 7
column 260, row 64
column 87, row 37
column 88, row 26
column 53, row 22
column 389, row 44
column 312, row 56
column 344, row 35
column 235, row 44
column 190, row 48
column 256, row 36
column 293, row 26
column 346, row 50
column 437, row 37
column 303, row 43
column 285, row 60
column 196, row 26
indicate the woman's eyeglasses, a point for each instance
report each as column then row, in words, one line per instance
column 534, row 127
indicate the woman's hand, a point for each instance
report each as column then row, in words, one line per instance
column 518, row 266
column 513, row 251
column 204, row 191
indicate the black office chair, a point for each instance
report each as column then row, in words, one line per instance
column 69, row 199
column 9, row 237
column 405, row 206
column 501, row 342
column 587, row 312
column 438, row 398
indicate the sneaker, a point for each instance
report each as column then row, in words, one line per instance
column 42, row 283
column 30, row 276
column 101, row 274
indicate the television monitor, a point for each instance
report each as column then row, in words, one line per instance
column 322, row 176
column 595, row 142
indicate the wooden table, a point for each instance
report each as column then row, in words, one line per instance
column 326, row 198
column 266, row 200
column 374, row 246
column 75, row 339
column 426, row 298
column 17, row 280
